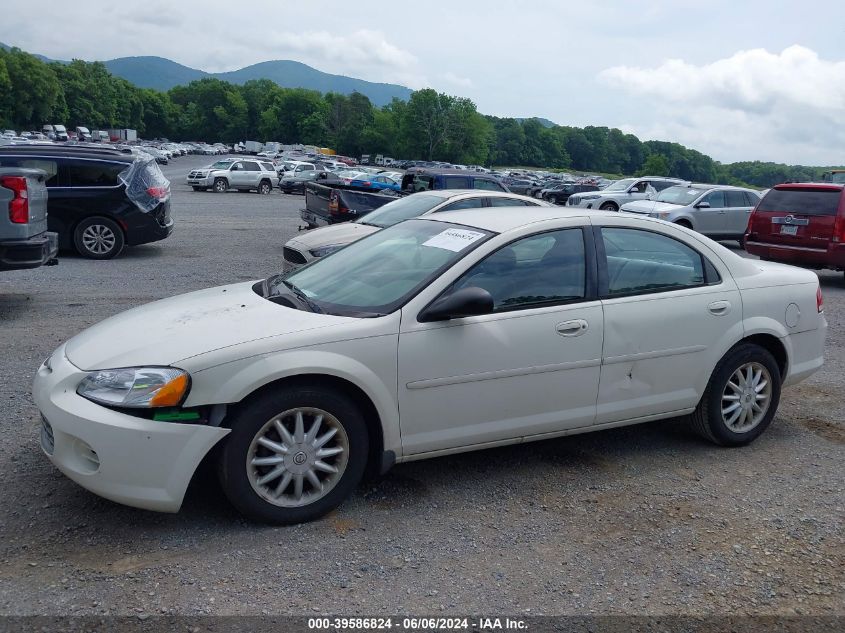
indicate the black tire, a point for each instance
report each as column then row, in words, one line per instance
column 264, row 187
column 221, row 185
column 741, row 241
column 553, row 200
column 285, row 190
column 708, row 421
column 98, row 238
column 253, row 416
column 609, row 206
column 199, row 188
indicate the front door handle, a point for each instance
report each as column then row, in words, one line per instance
column 572, row 328
column 719, row 308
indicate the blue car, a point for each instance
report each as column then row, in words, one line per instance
column 377, row 183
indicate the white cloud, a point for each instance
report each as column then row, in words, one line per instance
column 455, row 80
column 754, row 104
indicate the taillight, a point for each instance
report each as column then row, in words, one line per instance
column 819, row 299
column 19, row 206
column 159, row 192
column 333, row 203
column 839, row 227
column 366, row 183
column 751, row 219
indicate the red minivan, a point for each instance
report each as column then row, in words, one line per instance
column 801, row 224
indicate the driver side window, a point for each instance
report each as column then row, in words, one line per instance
column 540, row 270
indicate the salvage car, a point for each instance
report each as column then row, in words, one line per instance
column 100, row 200
column 801, row 224
column 454, row 332
column 618, row 193
column 238, row 174
column 24, row 239
column 306, row 247
column 718, row 211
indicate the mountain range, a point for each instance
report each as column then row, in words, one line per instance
column 162, row 74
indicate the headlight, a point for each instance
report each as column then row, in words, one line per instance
column 660, row 214
column 326, row 250
column 136, row 387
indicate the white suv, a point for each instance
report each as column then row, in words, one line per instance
column 622, row 191
column 243, row 175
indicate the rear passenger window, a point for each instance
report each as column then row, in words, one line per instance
column 511, row 202
column 455, row 182
column 752, row 198
column 251, row 167
column 488, row 185
column 533, row 272
column 642, row 262
column 736, row 199
column 467, row 203
column 94, row 174
column 50, row 167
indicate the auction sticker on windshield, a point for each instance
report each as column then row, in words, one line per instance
column 453, row 239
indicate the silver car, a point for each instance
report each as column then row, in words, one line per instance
column 718, row 211
column 622, row 191
column 311, row 245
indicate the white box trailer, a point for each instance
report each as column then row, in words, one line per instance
column 253, row 147
column 123, row 134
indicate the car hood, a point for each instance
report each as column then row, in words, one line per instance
column 171, row 330
column 648, row 206
column 344, row 233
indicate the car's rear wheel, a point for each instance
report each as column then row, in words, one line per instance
column 741, row 398
column 98, row 238
column 609, row 206
column 293, row 454
column 264, row 187
column 221, row 185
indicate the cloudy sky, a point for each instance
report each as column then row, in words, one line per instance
column 738, row 79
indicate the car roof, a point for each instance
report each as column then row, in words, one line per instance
column 827, row 186
column 453, row 193
column 89, row 153
column 503, row 219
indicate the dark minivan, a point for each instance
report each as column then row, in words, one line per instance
column 94, row 211
column 418, row 179
column 801, row 224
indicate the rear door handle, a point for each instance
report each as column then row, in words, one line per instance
column 719, row 308
column 572, row 328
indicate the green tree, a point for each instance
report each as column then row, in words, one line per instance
column 36, row 96
column 655, row 165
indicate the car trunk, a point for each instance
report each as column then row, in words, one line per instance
column 802, row 216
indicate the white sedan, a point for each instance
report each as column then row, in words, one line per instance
column 459, row 331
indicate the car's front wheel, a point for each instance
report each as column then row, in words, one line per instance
column 98, row 238
column 741, row 398
column 220, row 185
column 609, row 206
column 293, row 454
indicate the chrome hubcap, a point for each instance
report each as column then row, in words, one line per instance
column 297, row 457
column 98, row 239
column 746, row 397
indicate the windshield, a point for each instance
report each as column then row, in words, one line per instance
column 378, row 274
column 679, row 195
column 400, row 210
column 621, row 185
column 221, row 164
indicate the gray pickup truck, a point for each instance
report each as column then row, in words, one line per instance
column 24, row 239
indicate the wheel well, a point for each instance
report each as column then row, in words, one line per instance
column 355, row 393
column 685, row 223
column 773, row 345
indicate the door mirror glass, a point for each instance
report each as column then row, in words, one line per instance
column 465, row 302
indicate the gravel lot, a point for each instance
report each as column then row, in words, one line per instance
column 647, row 519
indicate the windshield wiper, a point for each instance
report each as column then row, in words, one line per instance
column 378, row 226
column 303, row 297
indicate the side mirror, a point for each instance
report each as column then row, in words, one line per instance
column 235, row 167
column 465, row 302
column 702, row 205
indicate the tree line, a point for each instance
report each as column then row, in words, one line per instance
column 429, row 126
